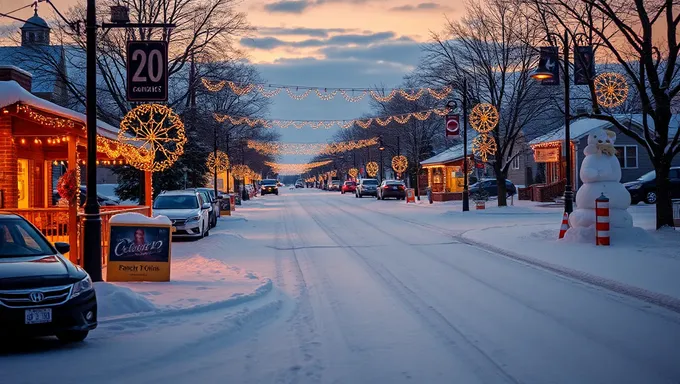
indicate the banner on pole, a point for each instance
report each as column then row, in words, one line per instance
column 453, row 126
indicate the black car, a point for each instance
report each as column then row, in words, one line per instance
column 268, row 187
column 391, row 188
column 490, row 186
column 41, row 292
column 644, row 188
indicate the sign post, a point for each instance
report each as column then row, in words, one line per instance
column 139, row 248
column 147, row 71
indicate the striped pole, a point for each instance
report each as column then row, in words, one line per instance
column 602, row 220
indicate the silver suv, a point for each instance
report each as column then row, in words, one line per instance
column 367, row 187
column 187, row 210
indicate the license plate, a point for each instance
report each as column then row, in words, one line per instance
column 395, row 188
column 174, row 229
column 38, row 316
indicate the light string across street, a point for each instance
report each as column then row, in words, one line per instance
column 310, row 148
column 295, row 169
column 352, row 95
column 327, row 124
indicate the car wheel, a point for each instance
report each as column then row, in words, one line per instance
column 72, row 336
column 356, row 195
column 650, row 198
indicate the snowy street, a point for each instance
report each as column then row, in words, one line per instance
column 368, row 291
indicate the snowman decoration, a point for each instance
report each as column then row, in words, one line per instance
column 601, row 174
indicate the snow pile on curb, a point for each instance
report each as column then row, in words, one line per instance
column 619, row 236
column 114, row 300
column 138, row 218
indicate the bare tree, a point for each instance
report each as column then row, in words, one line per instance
column 642, row 37
column 492, row 48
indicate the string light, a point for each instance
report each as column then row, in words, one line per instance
column 353, row 172
column 240, row 171
column 372, row 168
column 219, row 163
column 325, row 93
column 295, row 169
column 54, row 122
column 159, row 131
column 327, row 124
column 310, row 148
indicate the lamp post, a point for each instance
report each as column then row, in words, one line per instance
column 452, row 105
column 381, row 147
column 544, row 73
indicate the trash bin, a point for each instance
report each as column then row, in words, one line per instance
column 225, row 205
column 429, row 194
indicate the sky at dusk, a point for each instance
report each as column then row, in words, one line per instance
column 327, row 43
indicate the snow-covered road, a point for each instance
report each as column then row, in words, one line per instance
column 364, row 297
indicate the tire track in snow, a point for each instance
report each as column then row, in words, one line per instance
column 655, row 298
column 485, row 364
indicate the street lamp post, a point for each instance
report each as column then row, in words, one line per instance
column 543, row 73
column 382, row 168
column 452, row 105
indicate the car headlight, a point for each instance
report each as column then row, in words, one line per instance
column 194, row 218
column 634, row 186
column 82, row 286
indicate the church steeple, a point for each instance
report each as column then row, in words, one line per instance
column 35, row 31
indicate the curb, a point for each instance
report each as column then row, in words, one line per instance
column 233, row 301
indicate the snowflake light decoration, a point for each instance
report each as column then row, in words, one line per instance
column 158, row 132
column 611, row 89
column 372, row 168
column 219, row 163
column 484, row 117
column 399, row 164
column 484, row 145
column 353, row 172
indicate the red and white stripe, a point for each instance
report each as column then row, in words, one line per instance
column 565, row 225
column 602, row 220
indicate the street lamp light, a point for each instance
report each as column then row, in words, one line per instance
column 544, row 73
column 381, row 147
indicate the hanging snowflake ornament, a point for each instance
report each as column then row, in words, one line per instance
column 158, row 132
column 484, row 146
column 611, row 89
column 353, row 172
column 399, row 164
column 372, row 168
column 484, row 117
column 219, row 163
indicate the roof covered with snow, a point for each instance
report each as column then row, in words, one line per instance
column 451, row 154
column 582, row 127
column 11, row 93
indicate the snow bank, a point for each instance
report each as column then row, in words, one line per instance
column 619, row 236
column 138, row 218
column 114, row 300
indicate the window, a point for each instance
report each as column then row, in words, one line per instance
column 515, row 163
column 627, row 155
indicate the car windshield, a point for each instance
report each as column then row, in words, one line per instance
column 349, row 183
column 649, row 176
column 176, row 202
column 370, row 182
column 18, row 238
column 269, row 182
column 395, row 183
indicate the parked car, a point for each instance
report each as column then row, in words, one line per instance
column 334, row 185
column 41, row 292
column 299, row 184
column 103, row 201
column 187, row 210
column 491, row 187
column 269, row 186
column 392, row 188
column 349, row 186
column 209, row 195
column 366, row 187
column 644, row 188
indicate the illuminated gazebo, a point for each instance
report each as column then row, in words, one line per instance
column 37, row 137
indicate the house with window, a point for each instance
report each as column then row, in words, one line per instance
column 548, row 150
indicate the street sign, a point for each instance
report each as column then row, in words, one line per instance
column 453, row 126
column 147, row 71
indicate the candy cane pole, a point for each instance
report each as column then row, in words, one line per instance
column 602, row 220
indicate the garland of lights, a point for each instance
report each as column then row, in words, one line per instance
column 327, row 124
column 352, row 95
column 219, row 163
column 484, row 117
column 160, row 132
column 372, row 168
column 399, row 164
column 309, row 148
column 611, row 89
column 295, row 169
column 353, row 172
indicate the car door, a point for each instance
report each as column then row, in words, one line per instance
column 205, row 213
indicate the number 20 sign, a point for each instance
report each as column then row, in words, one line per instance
column 147, row 71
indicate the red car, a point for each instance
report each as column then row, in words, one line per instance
column 349, row 186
